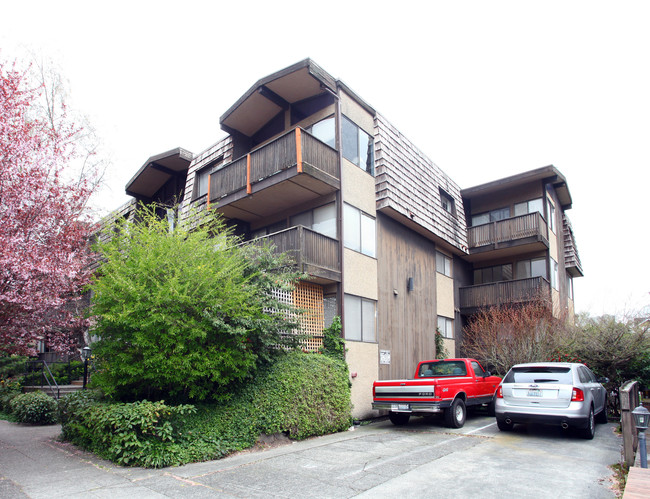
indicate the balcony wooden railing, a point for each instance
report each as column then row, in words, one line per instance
column 510, row 229
column 294, row 148
column 308, row 248
column 504, row 292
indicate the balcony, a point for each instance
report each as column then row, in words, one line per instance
column 314, row 253
column 503, row 293
column 290, row 170
column 525, row 233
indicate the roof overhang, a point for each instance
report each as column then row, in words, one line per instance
column 274, row 93
column 547, row 174
column 157, row 170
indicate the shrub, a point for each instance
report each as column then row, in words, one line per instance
column 9, row 389
column 333, row 344
column 34, row 408
column 301, row 395
column 72, row 404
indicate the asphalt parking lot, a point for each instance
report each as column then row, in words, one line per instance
column 377, row 459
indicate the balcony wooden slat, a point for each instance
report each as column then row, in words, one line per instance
column 308, row 248
column 504, row 292
column 510, row 229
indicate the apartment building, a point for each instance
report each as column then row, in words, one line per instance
column 389, row 241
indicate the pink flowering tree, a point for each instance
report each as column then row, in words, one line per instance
column 44, row 231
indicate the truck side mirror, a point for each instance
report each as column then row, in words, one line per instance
column 486, row 374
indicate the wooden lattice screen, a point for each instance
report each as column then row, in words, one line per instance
column 309, row 298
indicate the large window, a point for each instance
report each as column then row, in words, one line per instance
column 321, row 219
column 325, row 131
column 551, row 215
column 359, row 232
column 359, row 319
column 446, row 326
column 495, row 273
column 554, row 274
column 358, row 146
column 529, row 207
column 491, row 216
column 443, row 264
column 202, row 178
column 530, row 268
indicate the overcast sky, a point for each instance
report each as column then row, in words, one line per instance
column 485, row 89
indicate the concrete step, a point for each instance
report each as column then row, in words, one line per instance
column 63, row 389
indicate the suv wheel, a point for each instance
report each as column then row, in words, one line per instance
column 590, row 430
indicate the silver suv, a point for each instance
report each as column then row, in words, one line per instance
column 554, row 393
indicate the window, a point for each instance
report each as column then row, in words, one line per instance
column 358, row 146
column 359, row 232
column 359, row 319
column 554, row 274
column 446, row 326
column 324, row 131
column 531, row 268
column 443, row 264
column 202, row 178
column 495, row 273
column 551, row 215
column 447, row 202
column 321, row 220
column 478, row 370
column 491, row 216
column 529, row 207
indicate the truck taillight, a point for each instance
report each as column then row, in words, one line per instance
column 577, row 395
column 500, row 393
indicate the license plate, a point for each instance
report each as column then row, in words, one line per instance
column 400, row 407
column 534, row 393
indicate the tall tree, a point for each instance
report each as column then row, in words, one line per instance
column 43, row 227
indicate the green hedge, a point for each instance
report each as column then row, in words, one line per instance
column 34, row 408
column 301, row 395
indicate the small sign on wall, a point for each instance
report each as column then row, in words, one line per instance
column 384, row 357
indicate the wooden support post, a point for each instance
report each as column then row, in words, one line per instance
column 249, row 189
column 629, row 399
column 298, row 150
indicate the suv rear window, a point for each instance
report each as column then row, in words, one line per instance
column 540, row 374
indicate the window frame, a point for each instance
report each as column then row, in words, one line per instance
column 357, row 242
column 447, row 202
column 351, row 132
column 445, row 260
column 202, row 172
column 447, row 321
column 361, row 328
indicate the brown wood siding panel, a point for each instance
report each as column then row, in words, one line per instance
column 222, row 148
column 410, row 183
column 571, row 255
column 511, row 229
column 406, row 322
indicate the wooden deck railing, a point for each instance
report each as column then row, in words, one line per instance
column 294, row 148
column 504, row 292
column 306, row 246
column 510, row 229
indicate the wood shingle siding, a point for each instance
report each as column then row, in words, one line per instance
column 571, row 256
column 410, row 184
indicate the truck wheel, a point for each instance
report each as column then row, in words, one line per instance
column 399, row 418
column 456, row 414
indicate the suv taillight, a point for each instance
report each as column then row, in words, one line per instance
column 500, row 393
column 577, row 395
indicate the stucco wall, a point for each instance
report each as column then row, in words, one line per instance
column 360, row 274
column 362, row 360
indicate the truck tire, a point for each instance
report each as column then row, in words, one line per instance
column 456, row 414
column 399, row 418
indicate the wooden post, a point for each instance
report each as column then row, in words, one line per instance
column 298, row 150
column 629, row 399
column 249, row 189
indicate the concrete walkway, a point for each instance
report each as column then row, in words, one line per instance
column 377, row 460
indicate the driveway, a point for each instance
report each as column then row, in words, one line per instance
column 375, row 460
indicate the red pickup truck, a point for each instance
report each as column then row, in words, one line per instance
column 449, row 386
